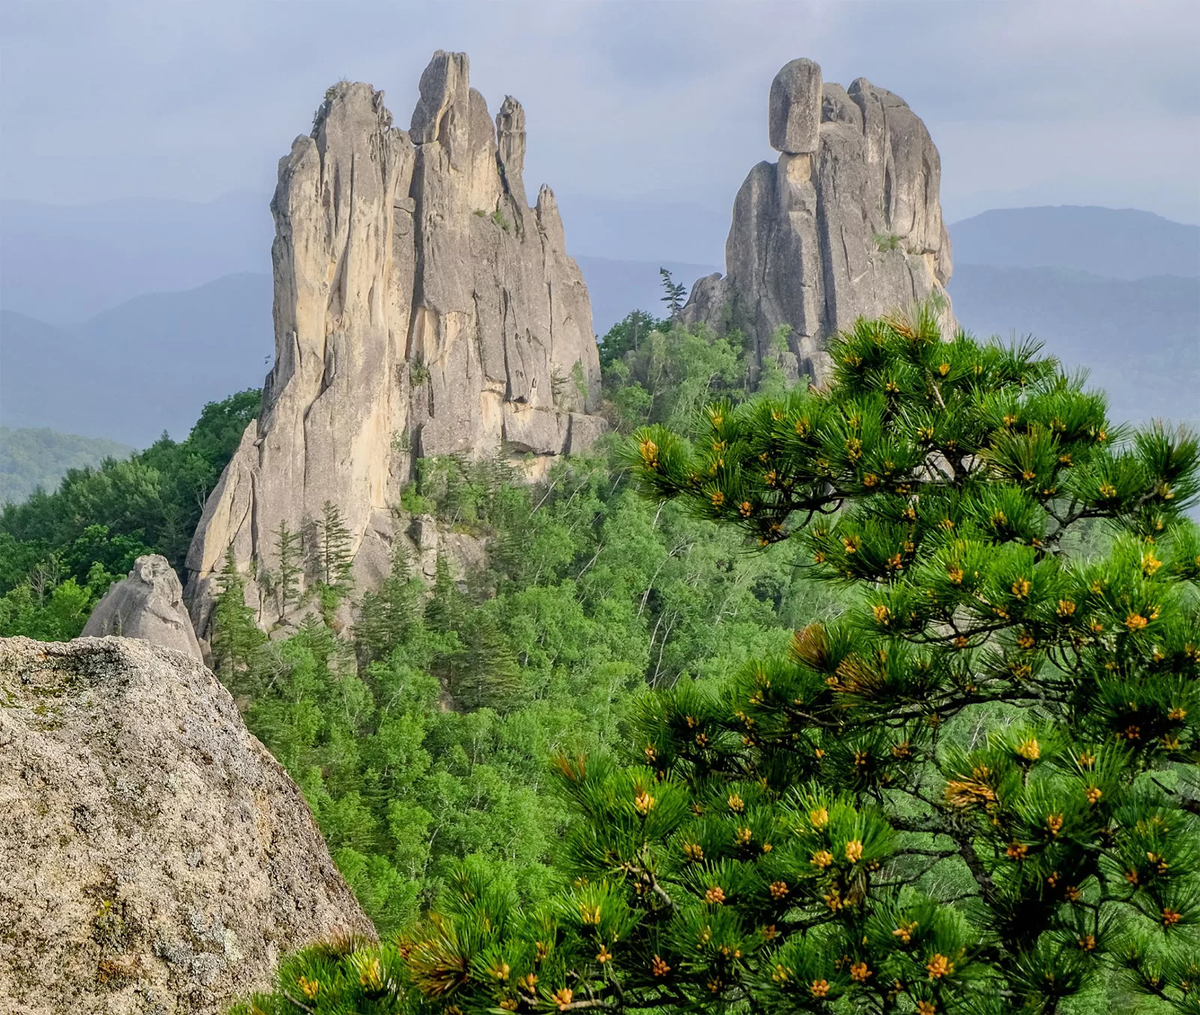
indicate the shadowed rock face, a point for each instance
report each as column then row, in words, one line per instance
column 422, row 307
column 153, row 856
column 147, row 604
column 846, row 223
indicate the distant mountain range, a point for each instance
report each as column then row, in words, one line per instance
column 121, row 320
column 1125, row 243
column 145, row 366
column 1139, row 339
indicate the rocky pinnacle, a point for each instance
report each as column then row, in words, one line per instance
column 422, row 308
column 846, row 223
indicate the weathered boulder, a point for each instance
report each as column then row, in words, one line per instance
column 154, row 858
column 147, row 604
column 846, row 223
column 795, row 108
column 422, row 308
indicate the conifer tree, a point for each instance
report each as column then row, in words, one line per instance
column 235, row 637
column 447, row 606
column 487, row 674
column 673, row 292
column 335, row 561
column 390, row 612
column 976, row 791
column 289, row 549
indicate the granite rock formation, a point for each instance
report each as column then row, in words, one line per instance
column 846, row 223
column 153, row 856
column 422, row 308
column 147, row 604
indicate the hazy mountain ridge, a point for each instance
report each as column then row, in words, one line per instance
column 1139, row 339
column 32, row 458
column 1122, row 243
column 143, row 367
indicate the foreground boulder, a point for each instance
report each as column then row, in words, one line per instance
column 846, row 223
column 146, row 604
column 422, row 308
column 154, row 858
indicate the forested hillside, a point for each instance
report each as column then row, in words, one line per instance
column 39, row 458
column 422, row 735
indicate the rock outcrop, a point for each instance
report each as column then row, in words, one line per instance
column 846, row 223
column 147, row 604
column 153, row 856
column 422, row 308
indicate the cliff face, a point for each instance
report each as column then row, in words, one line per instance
column 422, row 308
column 846, row 223
column 153, row 856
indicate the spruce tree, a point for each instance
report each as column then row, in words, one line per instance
column 487, row 674
column 976, row 791
column 335, row 560
column 390, row 612
column 289, row 549
column 236, row 636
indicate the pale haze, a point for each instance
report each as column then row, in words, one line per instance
column 1029, row 104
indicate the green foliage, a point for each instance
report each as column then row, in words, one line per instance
column 659, row 372
column 55, row 612
column 673, row 292
column 426, row 740
column 332, row 561
column 236, row 638
column 627, row 336
column 149, row 503
column 501, row 220
column 289, row 552
column 886, row 241
column 37, row 459
column 974, row 790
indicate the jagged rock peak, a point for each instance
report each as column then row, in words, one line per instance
column 846, row 223
column 421, row 308
column 153, row 856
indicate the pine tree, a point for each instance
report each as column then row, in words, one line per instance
column 673, row 292
column 236, row 638
column 975, row 791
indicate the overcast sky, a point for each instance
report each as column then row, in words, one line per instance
column 1053, row 102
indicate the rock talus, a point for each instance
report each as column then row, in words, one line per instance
column 422, row 308
column 846, row 223
column 154, row 858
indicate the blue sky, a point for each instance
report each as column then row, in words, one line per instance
column 1044, row 103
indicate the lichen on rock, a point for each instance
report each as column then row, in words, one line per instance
column 153, row 856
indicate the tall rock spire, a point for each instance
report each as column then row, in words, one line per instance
column 846, row 222
column 421, row 308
